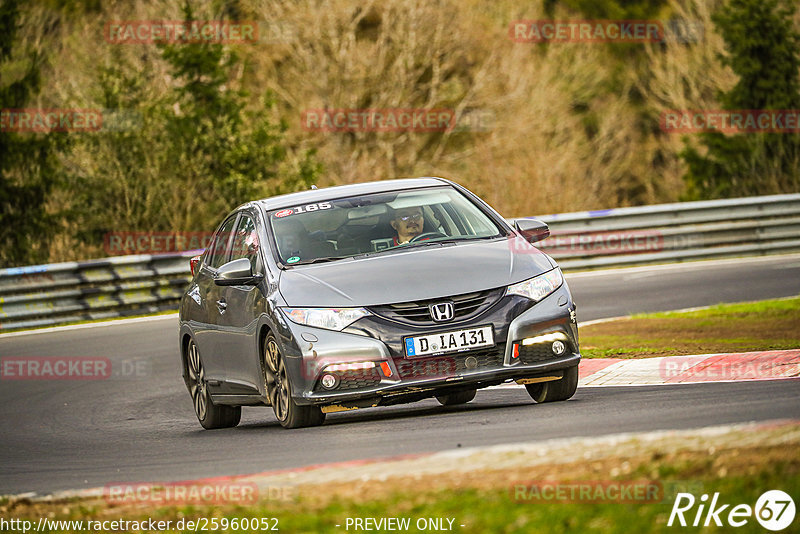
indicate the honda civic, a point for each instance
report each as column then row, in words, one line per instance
column 372, row 294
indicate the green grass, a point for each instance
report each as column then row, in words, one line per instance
column 743, row 327
column 496, row 510
column 763, row 308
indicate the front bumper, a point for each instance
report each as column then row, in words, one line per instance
column 392, row 377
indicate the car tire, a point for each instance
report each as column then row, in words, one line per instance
column 210, row 415
column 452, row 399
column 557, row 390
column 279, row 389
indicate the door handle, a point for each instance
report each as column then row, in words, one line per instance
column 222, row 305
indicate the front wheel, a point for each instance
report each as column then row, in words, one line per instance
column 279, row 390
column 210, row 415
column 557, row 390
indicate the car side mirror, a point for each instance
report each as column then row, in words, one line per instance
column 237, row 273
column 532, row 230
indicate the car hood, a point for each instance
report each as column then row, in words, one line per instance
column 417, row 274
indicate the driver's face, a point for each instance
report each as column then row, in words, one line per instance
column 408, row 223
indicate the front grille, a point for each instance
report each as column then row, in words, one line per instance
column 451, row 364
column 356, row 379
column 465, row 306
column 529, row 354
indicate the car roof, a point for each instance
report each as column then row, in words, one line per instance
column 339, row 191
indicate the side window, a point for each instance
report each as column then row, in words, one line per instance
column 220, row 246
column 245, row 242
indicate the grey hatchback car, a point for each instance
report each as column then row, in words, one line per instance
column 371, row 295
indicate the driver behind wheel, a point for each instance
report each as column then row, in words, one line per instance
column 408, row 223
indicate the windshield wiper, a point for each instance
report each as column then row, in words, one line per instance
column 447, row 241
column 318, row 260
column 475, row 238
column 429, row 242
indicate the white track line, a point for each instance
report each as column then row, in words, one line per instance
column 694, row 265
column 113, row 322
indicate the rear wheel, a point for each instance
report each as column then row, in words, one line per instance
column 452, row 399
column 279, row 390
column 209, row 414
column 557, row 390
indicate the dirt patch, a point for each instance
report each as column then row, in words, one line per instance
column 695, row 465
column 709, row 457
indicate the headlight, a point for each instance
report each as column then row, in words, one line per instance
column 329, row 318
column 538, row 287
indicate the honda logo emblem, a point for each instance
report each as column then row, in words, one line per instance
column 442, row 311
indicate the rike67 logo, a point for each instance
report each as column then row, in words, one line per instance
column 774, row 510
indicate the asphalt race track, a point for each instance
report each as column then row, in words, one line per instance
column 57, row 435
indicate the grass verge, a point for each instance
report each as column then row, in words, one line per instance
column 740, row 465
column 745, row 327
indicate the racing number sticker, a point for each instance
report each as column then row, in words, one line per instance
column 313, row 207
column 304, row 209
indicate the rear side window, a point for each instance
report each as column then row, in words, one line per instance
column 220, row 247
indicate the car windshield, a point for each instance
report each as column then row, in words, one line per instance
column 376, row 223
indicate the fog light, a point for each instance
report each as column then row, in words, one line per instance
column 559, row 347
column 328, row 381
column 358, row 366
column 544, row 338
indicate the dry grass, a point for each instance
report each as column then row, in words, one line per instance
column 575, row 125
column 570, row 126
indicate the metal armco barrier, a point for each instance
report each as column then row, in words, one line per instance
column 58, row 293
column 668, row 233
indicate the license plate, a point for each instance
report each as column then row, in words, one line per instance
column 457, row 340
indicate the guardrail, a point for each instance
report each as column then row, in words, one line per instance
column 667, row 233
column 58, row 293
